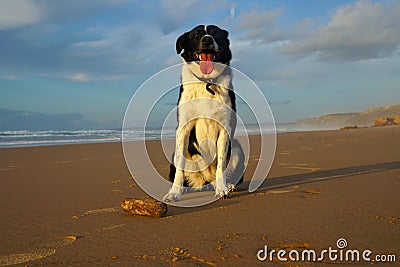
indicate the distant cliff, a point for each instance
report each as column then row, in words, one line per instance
column 360, row 119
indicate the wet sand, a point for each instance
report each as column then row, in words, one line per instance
column 60, row 205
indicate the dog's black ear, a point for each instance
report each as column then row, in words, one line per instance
column 180, row 43
column 225, row 33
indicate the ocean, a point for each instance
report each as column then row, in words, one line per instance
column 25, row 138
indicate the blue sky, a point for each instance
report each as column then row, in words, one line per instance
column 78, row 62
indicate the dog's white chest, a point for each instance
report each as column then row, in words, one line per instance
column 197, row 102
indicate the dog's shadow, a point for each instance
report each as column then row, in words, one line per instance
column 274, row 183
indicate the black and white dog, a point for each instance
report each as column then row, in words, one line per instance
column 206, row 151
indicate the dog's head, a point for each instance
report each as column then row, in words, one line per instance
column 203, row 46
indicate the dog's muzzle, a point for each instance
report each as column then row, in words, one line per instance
column 207, row 43
column 208, row 48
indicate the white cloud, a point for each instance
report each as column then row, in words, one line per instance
column 258, row 23
column 232, row 11
column 92, row 44
column 177, row 8
column 10, row 77
column 175, row 12
column 173, row 60
column 80, row 77
column 19, row 13
column 256, row 19
column 361, row 31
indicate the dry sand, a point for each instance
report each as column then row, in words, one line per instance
column 60, row 205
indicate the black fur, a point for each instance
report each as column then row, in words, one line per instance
column 190, row 43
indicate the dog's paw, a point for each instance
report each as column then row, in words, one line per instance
column 174, row 194
column 222, row 193
column 231, row 187
column 172, row 197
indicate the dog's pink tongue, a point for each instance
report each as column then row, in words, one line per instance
column 206, row 63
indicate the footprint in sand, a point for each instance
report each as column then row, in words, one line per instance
column 97, row 211
column 40, row 253
column 8, row 168
column 310, row 193
column 301, row 166
column 11, row 259
column 281, row 191
column 50, row 248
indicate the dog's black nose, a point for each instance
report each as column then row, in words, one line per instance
column 207, row 40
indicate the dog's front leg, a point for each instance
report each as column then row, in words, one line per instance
column 221, row 190
column 175, row 192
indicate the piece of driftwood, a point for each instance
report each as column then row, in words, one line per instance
column 144, row 207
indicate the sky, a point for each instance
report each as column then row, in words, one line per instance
column 75, row 64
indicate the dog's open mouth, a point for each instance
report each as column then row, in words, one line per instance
column 206, row 58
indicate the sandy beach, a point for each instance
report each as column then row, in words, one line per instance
column 60, row 205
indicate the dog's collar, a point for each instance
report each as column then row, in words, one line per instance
column 209, row 82
column 211, row 91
